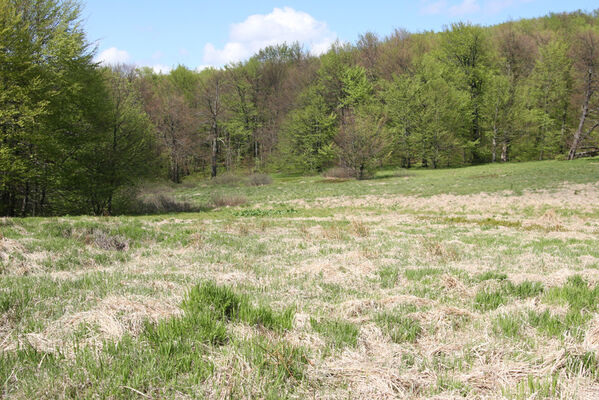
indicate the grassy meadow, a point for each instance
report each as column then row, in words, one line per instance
column 479, row 282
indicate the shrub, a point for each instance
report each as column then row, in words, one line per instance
column 226, row 179
column 259, row 180
column 227, row 200
column 338, row 173
column 163, row 203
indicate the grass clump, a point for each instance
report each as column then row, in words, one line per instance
column 420, row 273
column 276, row 361
column 337, row 333
column 524, row 290
column 585, row 364
column 225, row 304
column 581, row 301
column 486, row 300
column 389, row 276
column 491, row 275
column 170, row 356
column 508, row 325
column 398, row 326
column 535, row 388
column 576, row 293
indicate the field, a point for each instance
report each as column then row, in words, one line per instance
column 478, row 282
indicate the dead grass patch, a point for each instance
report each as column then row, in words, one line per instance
column 113, row 317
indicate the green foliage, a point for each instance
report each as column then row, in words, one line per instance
column 420, row 273
column 258, row 212
column 581, row 301
column 485, row 300
column 467, row 95
column 225, row 304
column 337, row 333
column 539, row 388
column 399, row 327
column 309, row 132
column 576, row 293
column 485, row 276
column 389, row 276
column 507, row 325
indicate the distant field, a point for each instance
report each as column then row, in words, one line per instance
column 478, row 282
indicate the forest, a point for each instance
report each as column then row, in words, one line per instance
column 78, row 137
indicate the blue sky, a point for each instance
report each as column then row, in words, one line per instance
column 163, row 34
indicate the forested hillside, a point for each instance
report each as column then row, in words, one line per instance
column 75, row 134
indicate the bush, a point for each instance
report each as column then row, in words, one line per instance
column 230, row 200
column 163, row 203
column 226, row 179
column 259, row 180
column 337, row 173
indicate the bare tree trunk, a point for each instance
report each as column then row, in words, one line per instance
column 213, row 157
column 504, row 151
column 578, row 133
column 588, row 92
column 494, row 153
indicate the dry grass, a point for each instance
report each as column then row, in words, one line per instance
column 348, row 258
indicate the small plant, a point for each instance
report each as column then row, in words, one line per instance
column 333, row 232
column 360, row 228
column 437, row 249
column 576, row 293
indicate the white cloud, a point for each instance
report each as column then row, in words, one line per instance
column 467, row 7
column 434, row 8
column 203, row 67
column 496, row 6
column 161, row 69
column 261, row 30
column 113, row 56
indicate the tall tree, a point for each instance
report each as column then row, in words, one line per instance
column 46, row 108
column 465, row 50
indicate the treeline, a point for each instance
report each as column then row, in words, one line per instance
column 75, row 134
